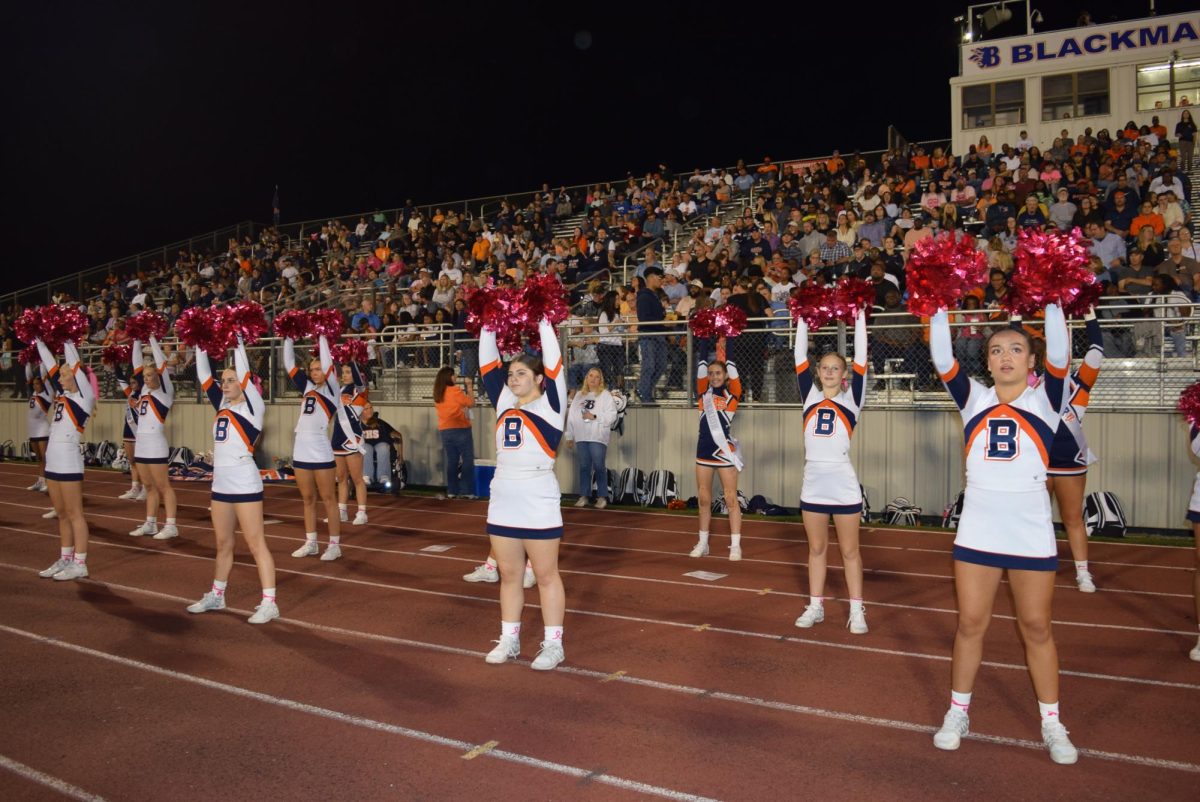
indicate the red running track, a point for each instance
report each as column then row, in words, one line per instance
column 373, row 684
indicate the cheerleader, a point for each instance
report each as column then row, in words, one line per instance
column 348, row 443
column 150, row 448
column 1006, row 519
column 312, row 455
column 237, row 497
column 831, row 488
column 1070, row 456
column 717, row 452
column 133, row 391
column 524, row 516
column 1194, row 516
column 75, row 399
column 37, row 421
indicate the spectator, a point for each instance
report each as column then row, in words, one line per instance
column 1148, row 216
column 1107, row 245
column 454, row 412
column 652, row 348
column 383, row 447
column 590, row 420
column 1136, row 278
column 834, row 252
column 1184, row 269
column 582, row 341
column 1185, row 133
column 1032, row 215
column 1150, row 246
column 969, row 338
column 899, row 337
column 610, row 347
column 366, row 319
column 1171, row 310
column 1119, row 218
column 1062, row 213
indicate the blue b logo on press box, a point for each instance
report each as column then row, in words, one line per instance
column 985, row 57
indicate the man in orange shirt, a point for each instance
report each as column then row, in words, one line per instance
column 1147, row 216
column 481, row 250
column 835, row 164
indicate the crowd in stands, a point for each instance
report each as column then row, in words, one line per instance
column 403, row 278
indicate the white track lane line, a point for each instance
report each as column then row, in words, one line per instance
column 686, row 690
column 789, row 638
column 41, row 778
column 600, row 547
column 365, row 723
column 788, row 540
column 708, row 586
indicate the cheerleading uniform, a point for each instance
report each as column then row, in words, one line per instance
column 724, row 402
column 131, row 413
column 830, row 483
column 64, row 461
column 1006, row 518
column 347, row 425
column 236, row 430
column 1070, row 455
column 1194, row 506
column 153, row 406
column 525, row 496
column 37, row 420
column 318, row 405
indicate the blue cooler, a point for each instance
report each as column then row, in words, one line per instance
column 484, row 471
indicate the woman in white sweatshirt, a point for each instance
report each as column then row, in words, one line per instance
column 589, row 423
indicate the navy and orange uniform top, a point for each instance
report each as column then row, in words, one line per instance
column 829, row 422
column 347, row 425
column 527, row 436
column 132, row 400
column 319, row 402
column 1008, row 445
column 237, row 426
column 38, row 416
column 1069, row 454
column 152, row 406
column 71, row 410
column 725, row 400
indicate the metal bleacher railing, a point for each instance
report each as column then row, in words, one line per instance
column 1148, row 360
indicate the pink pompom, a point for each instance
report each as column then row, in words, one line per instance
column 813, row 303
column 942, row 271
column 501, row 311
column 729, row 320
column 348, row 351
column 204, row 328
column 1189, row 404
column 29, row 355
column 62, row 324
column 1051, row 267
column 292, row 324
column 246, row 320
column 1085, row 300
column 703, row 323
column 144, row 324
column 28, row 326
column 114, row 355
column 545, row 297
column 326, row 322
column 851, row 295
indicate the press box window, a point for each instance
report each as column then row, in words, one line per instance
column 1077, row 94
column 1168, row 85
column 988, row 105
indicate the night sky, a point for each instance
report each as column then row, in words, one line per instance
column 132, row 127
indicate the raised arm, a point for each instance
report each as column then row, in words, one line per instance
column 1058, row 354
column 49, row 364
column 552, row 363
column 804, row 377
column 160, row 362
column 858, row 380
column 82, row 382
column 958, row 384
column 241, row 366
column 135, row 357
column 490, row 366
column 204, row 374
column 327, row 364
column 299, row 379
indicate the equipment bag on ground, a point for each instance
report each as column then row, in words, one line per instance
column 901, row 512
column 661, row 488
column 1104, row 515
column 631, row 489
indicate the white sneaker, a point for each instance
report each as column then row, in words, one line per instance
column 360, row 518
column 955, row 725
column 167, row 532
column 264, row 613
column 601, row 503
column 63, row 562
column 343, row 516
column 332, row 552
column 549, row 657
column 583, row 502
column 209, row 601
column 858, row 623
column 1054, row 736
column 1085, row 583
column 43, row 487
column 129, row 495
column 141, row 494
column 51, row 514
column 483, row 573
column 145, row 529
column 529, row 580
column 699, row 550
column 813, row 614
column 735, row 553
column 1194, row 653
column 73, row 571
column 509, row 646
column 37, row 485
column 309, row 549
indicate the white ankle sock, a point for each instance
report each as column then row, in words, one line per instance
column 554, row 634
column 311, row 537
column 67, row 553
column 856, row 606
column 491, row 561
column 343, row 507
column 1081, row 567
column 170, row 522
column 510, row 628
column 1049, row 712
column 735, row 540
column 219, row 587
column 960, row 701
column 335, row 540
column 268, row 596
column 817, row 601
column 80, row 558
column 703, row 538
column 152, row 521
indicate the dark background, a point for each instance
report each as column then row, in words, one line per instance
column 130, row 127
